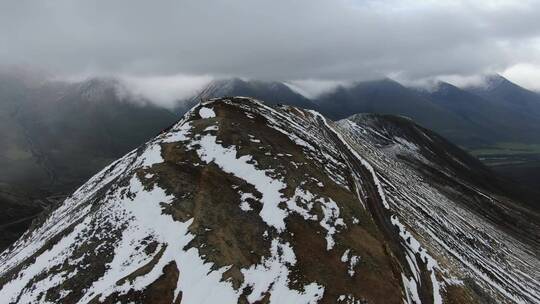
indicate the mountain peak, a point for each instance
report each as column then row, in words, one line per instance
column 273, row 92
column 98, row 89
column 386, row 82
column 495, row 81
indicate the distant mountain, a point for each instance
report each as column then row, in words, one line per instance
column 55, row 135
column 378, row 96
column 389, row 97
column 500, row 90
column 521, row 107
column 18, row 161
column 272, row 92
column 472, row 117
column 489, row 120
column 298, row 209
column 501, row 111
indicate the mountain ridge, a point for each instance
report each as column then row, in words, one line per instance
column 297, row 209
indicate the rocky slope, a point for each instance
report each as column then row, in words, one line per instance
column 244, row 203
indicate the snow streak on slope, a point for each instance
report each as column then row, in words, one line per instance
column 305, row 133
column 410, row 244
column 471, row 246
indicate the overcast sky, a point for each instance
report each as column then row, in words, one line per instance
column 334, row 40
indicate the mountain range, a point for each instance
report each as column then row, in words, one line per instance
column 476, row 116
column 497, row 121
column 55, row 135
column 241, row 202
column 50, row 126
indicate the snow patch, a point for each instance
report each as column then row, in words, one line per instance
column 330, row 220
column 144, row 218
column 243, row 167
column 244, row 204
column 351, row 261
column 206, row 112
column 271, row 276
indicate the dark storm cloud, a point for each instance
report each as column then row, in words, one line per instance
column 297, row 39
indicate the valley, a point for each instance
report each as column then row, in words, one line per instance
column 515, row 161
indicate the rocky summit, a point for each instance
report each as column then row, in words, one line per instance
column 240, row 202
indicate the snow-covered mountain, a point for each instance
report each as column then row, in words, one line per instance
column 240, row 202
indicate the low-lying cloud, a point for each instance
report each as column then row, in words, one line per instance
column 165, row 91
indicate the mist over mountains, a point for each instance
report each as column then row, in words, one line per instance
column 49, row 126
column 470, row 116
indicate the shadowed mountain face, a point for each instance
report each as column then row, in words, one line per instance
column 56, row 135
column 510, row 114
column 467, row 118
column 483, row 118
column 380, row 96
column 501, row 91
column 389, row 97
column 298, row 209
